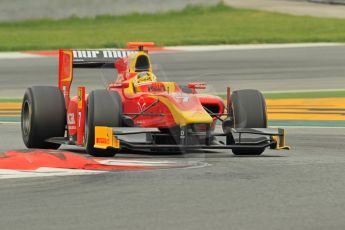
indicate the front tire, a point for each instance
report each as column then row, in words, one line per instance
column 248, row 111
column 104, row 108
column 43, row 116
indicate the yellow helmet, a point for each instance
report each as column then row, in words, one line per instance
column 144, row 77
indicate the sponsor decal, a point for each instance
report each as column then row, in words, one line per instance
column 182, row 134
column 183, row 99
column 70, row 119
column 80, row 102
column 102, row 140
column 98, row 54
column 141, row 104
column 64, row 91
column 79, row 119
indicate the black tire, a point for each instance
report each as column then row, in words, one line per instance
column 43, row 116
column 104, row 108
column 248, row 110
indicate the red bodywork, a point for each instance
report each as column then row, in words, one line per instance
column 166, row 96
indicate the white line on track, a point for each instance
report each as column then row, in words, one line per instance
column 17, row 55
column 124, row 162
column 44, row 172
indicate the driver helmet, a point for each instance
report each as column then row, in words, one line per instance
column 144, row 77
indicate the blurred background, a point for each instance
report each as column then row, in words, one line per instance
column 14, row 10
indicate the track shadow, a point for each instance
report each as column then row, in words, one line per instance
column 209, row 154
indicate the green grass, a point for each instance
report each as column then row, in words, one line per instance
column 11, row 100
column 194, row 25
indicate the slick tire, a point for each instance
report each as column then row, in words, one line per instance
column 43, row 116
column 104, row 108
column 248, row 111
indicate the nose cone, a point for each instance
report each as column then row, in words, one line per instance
column 193, row 117
column 186, row 109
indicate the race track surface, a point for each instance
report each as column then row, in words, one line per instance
column 298, row 189
column 263, row 69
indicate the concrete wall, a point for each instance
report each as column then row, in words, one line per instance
column 12, row 10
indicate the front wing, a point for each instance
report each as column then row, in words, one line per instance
column 136, row 138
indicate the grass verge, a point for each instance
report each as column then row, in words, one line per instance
column 193, row 25
column 11, row 100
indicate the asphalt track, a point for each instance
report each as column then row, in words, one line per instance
column 264, row 69
column 298, row 189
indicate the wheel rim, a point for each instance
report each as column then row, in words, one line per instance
column 26, row 118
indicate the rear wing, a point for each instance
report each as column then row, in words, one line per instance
column 85, row 58
column 104, row 58
column 91, row 58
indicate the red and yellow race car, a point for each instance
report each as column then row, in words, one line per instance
column 137, row 111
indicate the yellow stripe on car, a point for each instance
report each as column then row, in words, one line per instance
column 104, row 138
column 185, row 117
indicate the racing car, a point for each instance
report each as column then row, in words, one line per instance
column 138, row 112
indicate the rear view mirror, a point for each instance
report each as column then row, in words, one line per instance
column 197, row 85
column 117, row 85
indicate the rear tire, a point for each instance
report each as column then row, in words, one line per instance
column 248, row 111
column 104, row 108
column 43, row 116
